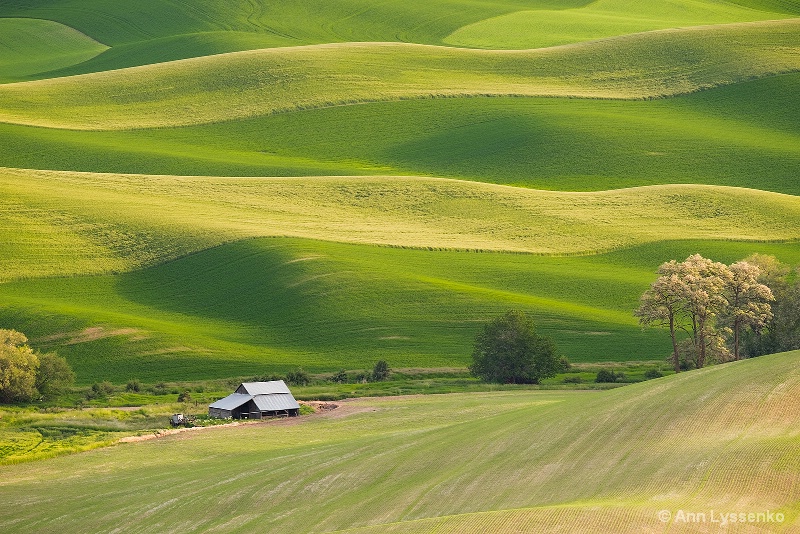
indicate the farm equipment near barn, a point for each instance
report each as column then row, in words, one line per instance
column 179, row 419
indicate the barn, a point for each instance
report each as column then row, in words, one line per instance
column 256, row 400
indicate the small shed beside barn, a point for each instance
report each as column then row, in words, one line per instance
column 256, row 400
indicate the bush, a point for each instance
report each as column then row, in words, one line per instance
column 652, row 373
column 101, row 389
column 298, row 377
column 18, row 368
column 564, row 365
column 604, row 376
column 508, row 351
column 54, row 377
column 574, row 379
column 133, row 386
column 381, row 371
column 160, row 389
column 339, row 377
column 185, row 396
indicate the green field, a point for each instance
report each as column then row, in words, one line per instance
column 276, row 80
column 726, row 136
column 269, row 305
column 196, row 193
column 482, row 462
column 228, row 188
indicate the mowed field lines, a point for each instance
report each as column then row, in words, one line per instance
column 489, row 462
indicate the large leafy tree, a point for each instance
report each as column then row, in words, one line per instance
column 54, row 375
column 707, row 300
column 509, row 351
column 18, row 368
column 748, row 301
column 664, row 305
column 781, row 331
column 704, row 283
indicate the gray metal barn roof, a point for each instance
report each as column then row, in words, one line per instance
column 268, row 397
column 277, row 402
column 232, row 401
column 265, row 388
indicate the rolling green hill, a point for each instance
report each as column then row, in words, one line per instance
column 32, row 47
column 162, row 30
column 213, row 189
column 596, row 20
column 726, row 136
column 269, row 305
column 716, row 439
column 263, row 82
column 186, row 217
column 121, row 222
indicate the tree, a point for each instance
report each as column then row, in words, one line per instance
column 508, row 351
column 747, row 301
column 54, row 376
column 688, row 296
column 298, row 377
column 381, row 371
column 781, row 332
column 18, row 367
column 704, row 282
column 663, row 304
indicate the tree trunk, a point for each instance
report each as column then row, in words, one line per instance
column 675, row 360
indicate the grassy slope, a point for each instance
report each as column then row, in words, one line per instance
column 129, row 221
column 269, row 305
column 594, row 462
column 596, row 20
column 159, row 30
column 31, row 47
column 79, row 224
column 727, row 136
column 252, row 306
column 257, row 83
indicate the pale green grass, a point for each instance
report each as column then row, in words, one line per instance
column 726, row 136
column 129, row 221
column 603, row 18
column 485, row 462
column 30, row 46
column 255, row 83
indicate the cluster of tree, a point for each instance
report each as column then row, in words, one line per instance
column 380, row 372
column 781, row 332
column 727, row 311
column 26, row 375
column 509, row 351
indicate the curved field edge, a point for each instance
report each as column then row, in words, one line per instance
column 596, row 20
column 730, row 135
column 598, row 462
column 158, row 31
column 271, row 304
column 59, row 223
column 253, row 83
column 33, row 46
